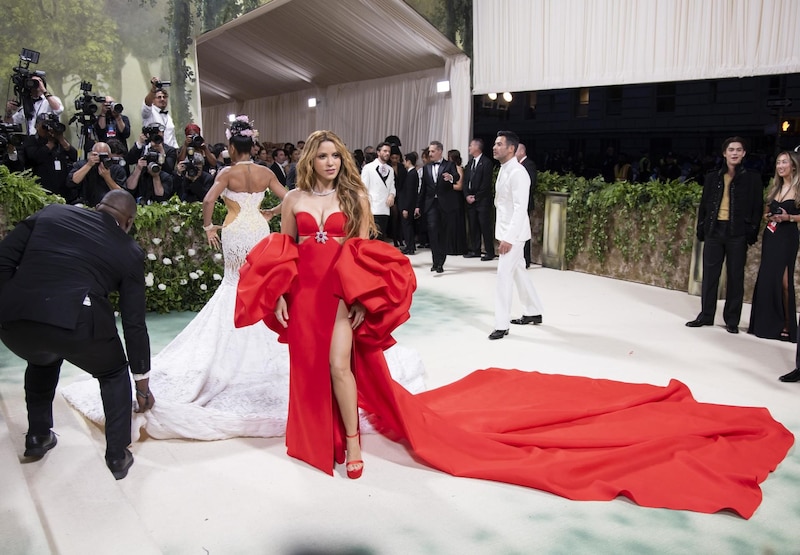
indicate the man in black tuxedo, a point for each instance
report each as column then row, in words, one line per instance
column 279, row 165
column 407, row 201
column 480, row 202
column 530, row 167
column 56, row 271
column 436, row 199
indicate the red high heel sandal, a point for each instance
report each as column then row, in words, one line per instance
column 354, row 473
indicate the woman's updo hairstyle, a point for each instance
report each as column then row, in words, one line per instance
column 241, row 134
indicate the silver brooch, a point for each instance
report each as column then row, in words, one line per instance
column 322, row 236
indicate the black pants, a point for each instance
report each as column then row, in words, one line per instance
column 382, row 223
column 437, row 232
column 732, row 250
column 408, row 231
column 45, row 348
column 479, row 220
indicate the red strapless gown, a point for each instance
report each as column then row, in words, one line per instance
column 577, row 437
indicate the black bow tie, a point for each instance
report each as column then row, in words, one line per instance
column 163, row 112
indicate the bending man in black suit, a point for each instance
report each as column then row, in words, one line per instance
column 56, row 271
column 480, row 202
column 436, row 199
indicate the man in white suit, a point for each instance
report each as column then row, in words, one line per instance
column 512, row 229
column 378, row 176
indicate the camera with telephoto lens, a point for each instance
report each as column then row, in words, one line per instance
column 105, row 159
column 10, row 134
column 23, row 77
column 161, row 84
column 154, row 161
column 50, row 122
column 196, row 141
column 153, row 134
column 193, row 164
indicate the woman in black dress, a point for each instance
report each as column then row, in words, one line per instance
column 456, row 237
column 773, row 315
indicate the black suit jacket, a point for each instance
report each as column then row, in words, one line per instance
column 478, row 182
column 407, row 192
column 439, row 188
column 279, row 173
column 530, row 167
column 51, row 262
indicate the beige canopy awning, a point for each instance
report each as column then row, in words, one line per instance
column 288, row 50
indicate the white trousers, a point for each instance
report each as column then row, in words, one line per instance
column 511, row 272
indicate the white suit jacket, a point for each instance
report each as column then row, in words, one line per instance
column 512, row 223
column 378, row 190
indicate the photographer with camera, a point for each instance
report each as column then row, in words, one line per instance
column 50, row 156
column 149, row 182
column 111, row 124
column 194, row 143
column 152, row 140
column 40, row 103
column 97, row 175
column 155, row 111
column 192, row 181
column 11, row 141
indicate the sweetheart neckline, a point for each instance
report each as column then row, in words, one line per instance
column 310, row 215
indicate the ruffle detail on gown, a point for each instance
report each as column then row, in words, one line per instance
column 214, row 381
column 268, row 273
column 380, row 278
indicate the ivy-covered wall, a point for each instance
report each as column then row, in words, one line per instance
column 642, row 232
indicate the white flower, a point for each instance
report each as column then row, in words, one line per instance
column 162, row 287
column 200, row 272
column 176, row 229
column 148, row 279
column 217, row 277
column 193, row 275
column 116, row 314
column 151, row 256
column 183, row 282
column 203, row 286
column 191, row 252
column 167, row 262
column 217, row 256
column 156, row 241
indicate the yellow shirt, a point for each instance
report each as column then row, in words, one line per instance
column 725, row 204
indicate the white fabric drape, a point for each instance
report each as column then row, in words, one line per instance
column 366, row 112
column 553, row 44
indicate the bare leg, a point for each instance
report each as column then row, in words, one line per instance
column 344, row 383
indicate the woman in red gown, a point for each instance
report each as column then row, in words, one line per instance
column 336, row 296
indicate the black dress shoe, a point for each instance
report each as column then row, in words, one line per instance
column 731, row 329
column 119, row 467
column 37, row 445
column 793, row 376
column 698, row 322
column 528, row 320
column 408, row 252
column 439, row 269
column 498, row 334
column 433, row 268
column 471, row 255
column 487, row 257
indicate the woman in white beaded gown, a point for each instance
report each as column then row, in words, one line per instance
column 214, row 381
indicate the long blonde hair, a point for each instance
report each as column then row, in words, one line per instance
column 350, row 190
column 777, row 181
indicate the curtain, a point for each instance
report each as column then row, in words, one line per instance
column 366, row 112
column 553, row 44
